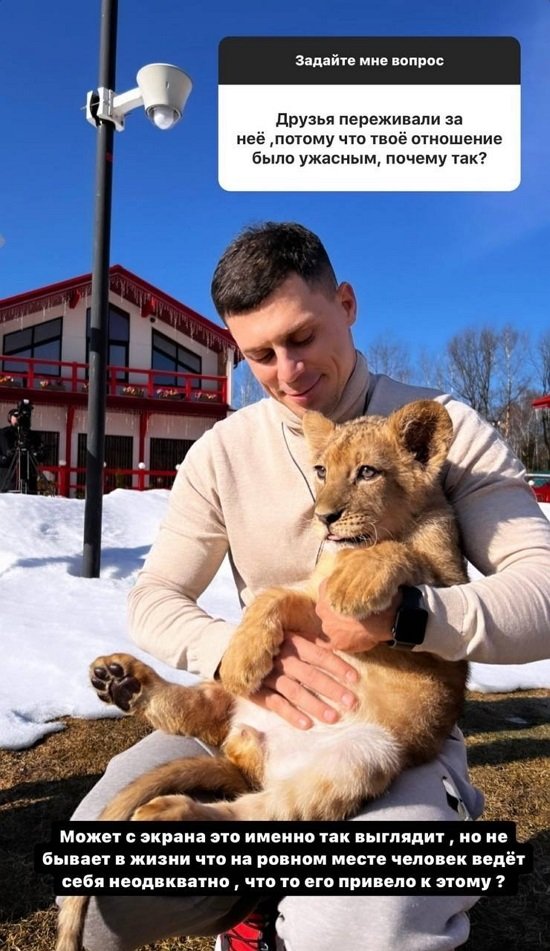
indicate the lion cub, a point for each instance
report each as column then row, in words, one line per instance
column 386, row 523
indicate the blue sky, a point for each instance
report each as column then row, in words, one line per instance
column 424, row 265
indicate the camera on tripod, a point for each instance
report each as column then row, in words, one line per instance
column 20, row 451
column 24, row 414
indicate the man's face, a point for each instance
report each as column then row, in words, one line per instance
column 14, row 419
column 298, row 344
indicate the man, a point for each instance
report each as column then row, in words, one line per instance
column 246, row 488
column 20, row 450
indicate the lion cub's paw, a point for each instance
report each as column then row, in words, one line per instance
column 165, row 809
column 352, row 592
column 242, row 672
column 122, row 680
column 258, row 639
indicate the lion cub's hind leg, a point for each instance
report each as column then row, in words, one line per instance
column 331, row 784
column 245, row 748
column 332, row 781
column 202, row 710
column 124, row 681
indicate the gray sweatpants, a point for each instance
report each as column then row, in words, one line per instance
column 358, row 923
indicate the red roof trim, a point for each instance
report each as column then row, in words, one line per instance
column 541, row 402
column 166, row 308
column 49, row 290
column 171, row 301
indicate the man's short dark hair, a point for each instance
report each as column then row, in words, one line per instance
column 261, row 258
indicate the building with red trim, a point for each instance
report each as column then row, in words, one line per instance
column 169, row 377
column 541, row 481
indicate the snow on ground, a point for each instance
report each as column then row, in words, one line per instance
column 53, row 622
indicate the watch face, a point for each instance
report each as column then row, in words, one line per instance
column 410, row 626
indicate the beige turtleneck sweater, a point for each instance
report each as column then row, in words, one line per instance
column 246, row 488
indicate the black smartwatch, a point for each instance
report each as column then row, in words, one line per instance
column 409, row 626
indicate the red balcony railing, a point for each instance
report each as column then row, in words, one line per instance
column 71, row 480
column 61, row 375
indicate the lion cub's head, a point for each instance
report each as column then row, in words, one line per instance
column 377, row 475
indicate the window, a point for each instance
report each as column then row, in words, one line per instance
column 50, row 443
column 118, row 354
column 118, row 455
column 165, row 455
column 169, row 355
column 41, row 340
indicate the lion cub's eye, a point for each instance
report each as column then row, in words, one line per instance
column 364, row 473
column 320, row 472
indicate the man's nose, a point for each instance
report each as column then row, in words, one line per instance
column 290, row 368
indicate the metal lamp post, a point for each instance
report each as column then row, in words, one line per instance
column 163, row 91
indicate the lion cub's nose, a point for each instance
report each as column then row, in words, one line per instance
column 327, row 518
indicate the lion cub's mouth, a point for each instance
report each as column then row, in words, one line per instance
column 351, row 540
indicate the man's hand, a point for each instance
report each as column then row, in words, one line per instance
column 306, row 664
column 349, row 634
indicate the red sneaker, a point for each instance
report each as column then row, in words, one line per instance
column 255, row 933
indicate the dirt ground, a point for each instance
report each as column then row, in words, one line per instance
column 508, row 737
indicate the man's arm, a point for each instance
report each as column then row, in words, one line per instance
column 503, row 618
column 6, row 451
column 165, row 620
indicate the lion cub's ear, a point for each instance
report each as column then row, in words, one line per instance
column 425, row 429
column 317, row 429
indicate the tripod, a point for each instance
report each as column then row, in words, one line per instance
column 22, row 474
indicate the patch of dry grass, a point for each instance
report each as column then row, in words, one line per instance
column 508, row 737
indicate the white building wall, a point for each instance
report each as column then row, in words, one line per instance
column 171, row 427
column 73, row 344
column 141, row 339
column 178, row 427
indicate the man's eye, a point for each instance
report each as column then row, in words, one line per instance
column 306, row 340
column 320, row 472
column 264, row 357
column 364, row 473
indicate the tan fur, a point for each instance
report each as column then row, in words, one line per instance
column 390, row 525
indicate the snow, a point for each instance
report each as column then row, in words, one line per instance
column 53, row 622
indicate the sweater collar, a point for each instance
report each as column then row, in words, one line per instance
column 351, row 403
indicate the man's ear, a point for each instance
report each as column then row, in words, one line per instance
column 348, row 301
column 317, row 430
column 424, row 428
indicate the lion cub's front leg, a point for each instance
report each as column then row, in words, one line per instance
column 202, row 710
column 365, row 581
column 259, row 636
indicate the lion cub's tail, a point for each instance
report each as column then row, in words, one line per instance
column 71, row 923
column 206, row 773
column 185, row 775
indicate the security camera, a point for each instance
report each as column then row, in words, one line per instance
column 162, row 90
column 165, row 90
